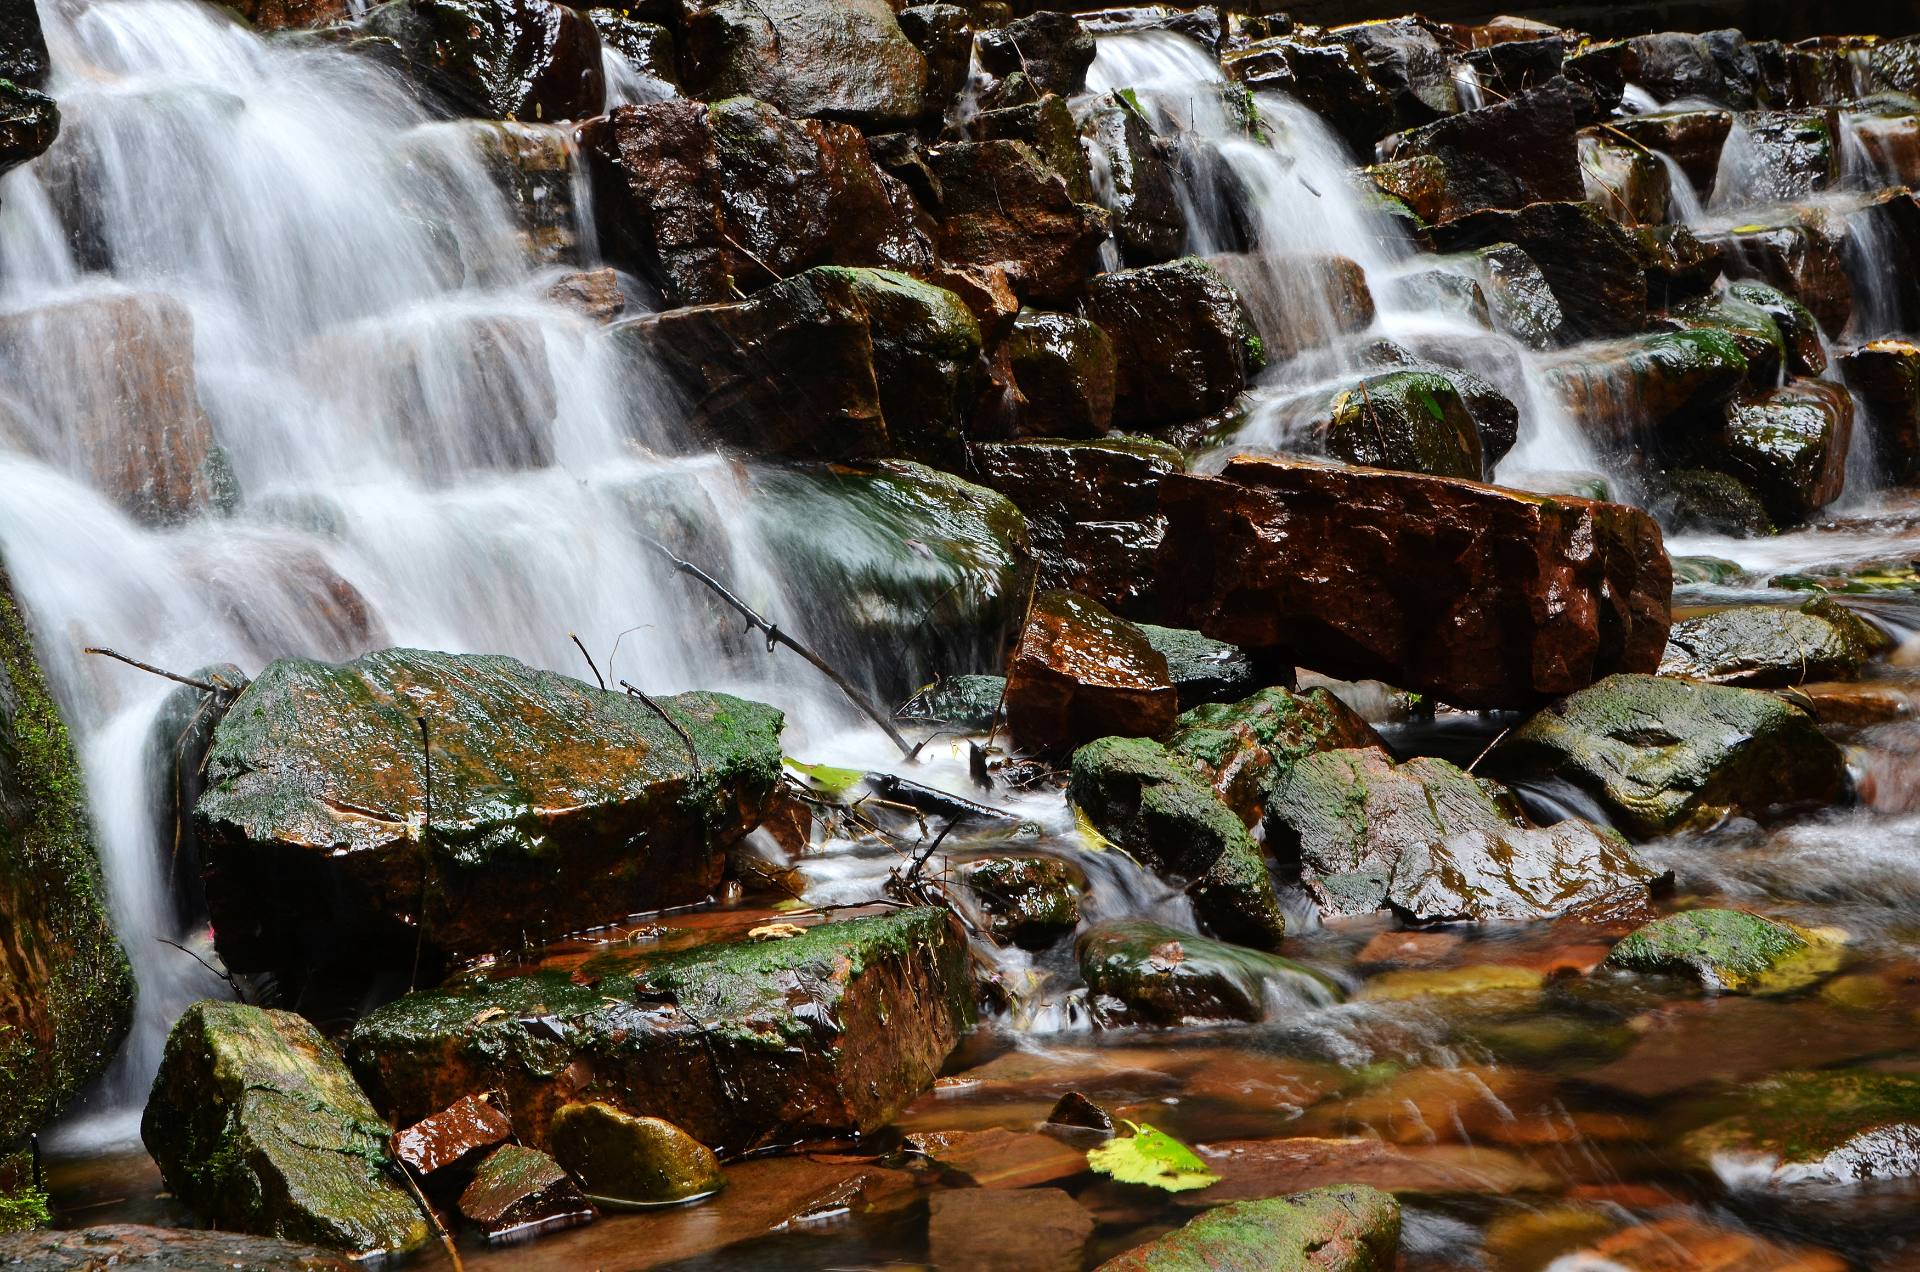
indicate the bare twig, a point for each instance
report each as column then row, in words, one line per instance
column 426, row 849
column 204, row 686
column 775, row 637
column 692, row 751
column 575, row 638
column 1488, row 749
column 224, row 975
column 439, row 1229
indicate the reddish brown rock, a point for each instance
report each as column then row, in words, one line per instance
column 500, row 59
column 468, row 1126
column 971, row 1227
column 129, row 1245
column 1691, row 138
column 1480, row 596
column 1683, row 1245
column 1079, row 674
column 593, row 293
column 1808, row 262
column 1885, row 379
column 1001, row 204
column 286, row 15
column 519, row 1191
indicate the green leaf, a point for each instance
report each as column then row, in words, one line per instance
column 835, row 782
column 1430, row 402
column 1151, row 1157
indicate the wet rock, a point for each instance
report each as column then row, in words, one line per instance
column 1407, row 60
column 835, row 59
column 1780, row 156
column 1626, row 181
column 1519, row 299
column 1662, row 755
column 1050, row 48
column 1141, row 797
column 1157, row 975
column 1079, row 673
column 1677, row 262
column 593, row 294
column 635, row 1159
column 1348, row 1229
column 109, row 381
column 1591, row 263
column 29, row 121
column 1331, row 80
column 1652, row 386
column 23, row 47
column 1484, row 875
column 533, row 166
column 1789, row 446
column 502, row 59
column 944, row 35
column 1000, row 1160
column 1202, row 669
column 1505, row 155
column 1799, row 330
column 1063, row 374
column 1032, row 901
column 1298, row 301
column 1670, row 1243
column 1843, row 1126
column 469, row 1126
column 126, row 1245
column 1752, row 327
column 1691, row 138
column 966, row 702
column 707, row 202
column 1092, row 509
column 970, row 1227
column 1701, row 501
column 1806, row 261
column 555, row 806
column 1149, row 225
column 66, row 990
column 1726, row 950
column 1244, row 749
column 1716, row 65
column 1884, row 377
column 1511, row 60
column 1184, row 344
column 647, row 48
column 1002, row 204
column 257, row 1125
column 177, row 743
column 1885, row 227
column 833, row 363
column 1076, row 1110
column 1772, row 646
column 519, row 1191
column 1048, row 125
column 1411, row 421
column 809, row 1038
column 1369, row 574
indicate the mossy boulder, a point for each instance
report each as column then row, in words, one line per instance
column 1630, row 392
column 1141, row 972
column 1771, row 646
column 808, row 1038
column 519, row 1191
column 1845, row 1126
column 616, row 1155
column 1788, row 445
column 1202, row 669
column 1412, row 421
column 1080, row 673
column 1662, row 755
column 1751, row 325
column 1141, row 797
column 258, row 1126
column 1244, row 748
column 555, row 806
column 1030, row 901
column 1729, row 951
column 66, row 989
column 964, row 702
column 1701, row 501
column 1799, row 330
column 1338, row 1229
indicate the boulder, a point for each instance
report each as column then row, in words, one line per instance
column 23, row 46
column 1092, row 510
column 1063, row 376
column 1141, row 797
column 1411, row 421
column 1886, row 227
column 127, row 1245
column 1298, row 301
column 944, row 35
column 1202, row 669
column 1788, row 445
column 1716, row 65
column 1730, row 951
column 1184, row 344
column 709, row 201
column 1519, row 299
column 66, row 989
column 634, row 1159
column 1662, row 755
column 805, row 1039
column 834, row 59
column 646, row 48
column 1701, row 501
column 1773, row 646
column 518, row 1192
column 1143, row 973
column 1753, row 329
column 1505, row 155
column 1631, row 392
column 1339, row 1229
column 1078, row 673
column 594, row 294
column 554, row 807
column 257, row 1125
column 1590, row 262
column 1780, row 156
column 1050, row 48
column 1678, row 263
column 1002, row 204
column 109, row 383
column 29, row 121
column 1884, row 378
column 1806, row 261
column 1431, row 584
column 1625, row 180
column 833, row 363
column 1832, row 1126
column 1529, row 873
column 965, row 702
column 532, row 165
column 1049, row 126
column 1331, row 80
column 502, row 59
column 1136, row 182
column 1407, row 60
column 1244, row 749
column 1030, row 901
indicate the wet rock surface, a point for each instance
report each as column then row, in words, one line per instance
column 1079, row 673
column 1351, row 1229
column 1158, row 975
column 136, row 1246
column 1768, row 646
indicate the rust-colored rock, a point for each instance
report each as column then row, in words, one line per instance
column 1079, row 674
column 457, row 1133
column 1001, row 203
column 1480, row 596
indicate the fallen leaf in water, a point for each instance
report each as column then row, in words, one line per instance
column 1152, row 1157
column 774, row 931
column 491, row 1013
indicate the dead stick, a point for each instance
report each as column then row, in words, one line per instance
column 591, row 665
column 672, row 723
column 777, row 637
column 204, row 686
column 426, row 852
column 439, row 1229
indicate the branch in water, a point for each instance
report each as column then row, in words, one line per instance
column 204, row 686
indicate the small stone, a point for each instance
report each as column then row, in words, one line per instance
column 454, row 1134
column 518, row 1191
column 1076, row 1110
column 627, row 1158
column 1345, row 1229
column 1158, row 975
column 1730, row 951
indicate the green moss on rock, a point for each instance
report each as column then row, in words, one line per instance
column 1142, row 972
column 1413, row 421
column 1244, row 748
column 1834, row 1127
column 1347, row 1228
column 1032, row 901
column 1727, row 950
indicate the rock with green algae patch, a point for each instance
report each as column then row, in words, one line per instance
column 258, row 1126
column 555, row 806
column 1142, row 798
column 806, row 1039
column 1789, row 445
column 1412, row 421
column 966, row 702
column 1080, row 673
column 1142, row 972
column 66, row 989
column 1245, row 748
column 626, row 1158
column 155, row 1249
column 1662, row 755
column 1031, row 901
column 518, row 1191
column 1730, row 951
column 1337, row 1229
column 1203, row 670
column 1843, row 1126
column 1773, row 646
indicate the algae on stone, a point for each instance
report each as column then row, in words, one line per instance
column 1823, row 1127
column 1730, row 951
column 626, row 1158
column 1338, row 1229
column 1158, row 975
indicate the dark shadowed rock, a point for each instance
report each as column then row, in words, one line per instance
column 1407, row 60
column 257, row 1125
column 1341, row 1229
column 1590, row 262
column 1506, row 155
column 1002, row 204
column 1049, row 126
column 944, row 35
column 1184, row 344
column 1079, row 673
column 1202, row 669
column 1650, row 386
column 1050, row 48
column 811, row 1038
column 1149, row 224
column 835, row 59
column 1432, row 584
column 1030, row 901
column 518, row 1192
column 1788, row 445
column 1884, row 376
column 29, row 121
column 1772, row 646
column 1329, row 79
column 556, row 806
column 1699, row 500
column 125, row 1245
column 1716, row 65
column 1243, row 749
column 1662, row 755
column 504, row 59
column 1143, row 973
column 1063, row 376
column 1519, row 299
column 647, row 48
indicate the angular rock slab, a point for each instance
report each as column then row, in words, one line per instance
column 1480, row 596
column 257, row 1125
column 1343, row 1229
column 1079, row 673
column 818, row 1037
column 556, row 806
column 518, row 1191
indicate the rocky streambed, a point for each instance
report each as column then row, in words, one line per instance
column 833, row 635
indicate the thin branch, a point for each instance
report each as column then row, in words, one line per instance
column 426, row 850
column 1488, row 749
column 226, row 976
column 692, row 751
column 775, row 637
column 575, row 638
column 204, row 686
column 439, row 1229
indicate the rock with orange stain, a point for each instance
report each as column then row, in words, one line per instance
column 1079, row 674
column 1683, row 1245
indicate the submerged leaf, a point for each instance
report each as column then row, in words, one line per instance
column 834, row 782
column 1152, row 1157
